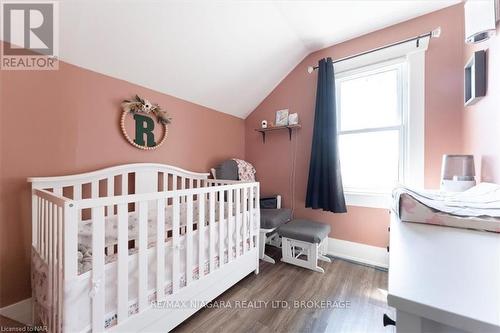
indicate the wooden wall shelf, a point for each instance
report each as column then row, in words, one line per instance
column 263, row 131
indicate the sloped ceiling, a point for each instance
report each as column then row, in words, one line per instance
column 226, row 55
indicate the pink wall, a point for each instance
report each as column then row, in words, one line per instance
column 443, row 121
column 482, row 120
column 67, row 121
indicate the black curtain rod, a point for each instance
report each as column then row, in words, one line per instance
column 434, row 33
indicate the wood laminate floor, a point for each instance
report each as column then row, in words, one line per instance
column 362, row 288
column 6, row 324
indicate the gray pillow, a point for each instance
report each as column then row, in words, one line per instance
column 227, row 170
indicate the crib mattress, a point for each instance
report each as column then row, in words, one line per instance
column 411, row 209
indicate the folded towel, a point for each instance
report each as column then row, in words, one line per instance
column 481, row 200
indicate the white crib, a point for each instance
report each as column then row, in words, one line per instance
column 137, row 247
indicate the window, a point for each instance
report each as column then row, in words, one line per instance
column 371, row 106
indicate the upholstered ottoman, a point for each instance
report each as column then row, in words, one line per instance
column 303, row 243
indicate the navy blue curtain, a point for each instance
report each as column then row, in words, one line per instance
column 324, row 186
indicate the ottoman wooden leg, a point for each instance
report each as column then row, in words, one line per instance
column 262, row 246
column 323, row 251
column 294, row 250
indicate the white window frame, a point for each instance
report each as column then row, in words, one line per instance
column 412, row 144
column 369, row 197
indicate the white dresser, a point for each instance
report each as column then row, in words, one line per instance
column 443, row 279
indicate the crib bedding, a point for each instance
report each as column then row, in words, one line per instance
column 111, row 223
column 85, row 241
column 425, row 207
column 79, row 294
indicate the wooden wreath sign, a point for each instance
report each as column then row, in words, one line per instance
column 143, row 113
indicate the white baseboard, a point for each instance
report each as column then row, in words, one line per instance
column 362, row 253
column 20, row 311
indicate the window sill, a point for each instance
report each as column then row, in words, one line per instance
column 367, row 199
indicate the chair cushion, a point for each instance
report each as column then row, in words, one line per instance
column 304, row 230
column 272, row 218
column 227, row 170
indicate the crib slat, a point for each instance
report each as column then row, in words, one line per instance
column 110, row 192
column 189, row 240
column 143, row 255
column 60, row 269
column 54, row 268
column 45, row 229
column 251, row 217
column 245, row 218
column 50, row 253
column 71, row 214
column 221, row 228
column 42, row 225
column 122, row 263
column 165, row 181
column 58, row 191
column 77, row 195
column 55, row 275
column 183, row 187
column 257, row 222
column 39, row 224
column 174, row 182
column 211, row 243
column 98, row 283
column 201, row 235
column 77, row 192
column 124, row 184
column 238, row 220
column 94, row 189
column 160, row 250
column 175, row 244
column 230, row 225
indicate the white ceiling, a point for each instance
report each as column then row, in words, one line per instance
column 226, row 55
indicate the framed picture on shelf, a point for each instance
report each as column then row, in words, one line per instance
column 282, row 117
column 293, row 119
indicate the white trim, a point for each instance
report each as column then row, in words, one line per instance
column 357, row 252
column 382, row 65
column 20, row 311
column 371, row 130
column 414, row 163
column 40, row 182
column 367, row 199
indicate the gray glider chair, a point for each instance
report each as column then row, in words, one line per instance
column 271, row 213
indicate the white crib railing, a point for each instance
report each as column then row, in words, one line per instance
column 56, row 230
column 48, row 230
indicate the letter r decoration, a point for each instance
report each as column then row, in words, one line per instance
column 144, row 131
column 144, row 126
